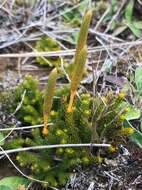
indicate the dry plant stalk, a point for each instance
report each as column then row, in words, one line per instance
column 48, row 98
column 80, row 57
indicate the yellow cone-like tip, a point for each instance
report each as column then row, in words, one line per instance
column 82, row 39
column 45, row 131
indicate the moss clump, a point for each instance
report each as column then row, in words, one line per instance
column 31, row 108
column 56, row 165
column 75, row 120
column 48, row 44
column 108, row 119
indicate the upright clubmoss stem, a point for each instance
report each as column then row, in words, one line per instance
column 80, row 57
column 77, row 75
column 72, row 96
column 48, row 98
column 82, row 39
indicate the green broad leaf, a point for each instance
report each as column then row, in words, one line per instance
column 133, row 112
column 13, row 182
column 113, row 25
column 137, row 32
column 137, row 24
column 129, row 11
column 1, row 139
column 114, row 3
column 5, row 187
column 72, row 15
column 73, row 38
column 138, row 78
column 136, row 137
column 82, row 7
column 112, row 10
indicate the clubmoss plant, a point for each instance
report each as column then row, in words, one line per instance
column 80, row 57
column 108, row 118
column 30, row 112
column 56, row 165
column 82, row 39
column 77, row 75
column 73, row 122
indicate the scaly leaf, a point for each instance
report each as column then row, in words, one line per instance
column 137, row 24
column 1, row 138
column 136, row 137
column 137, row 32
column 132, row 113
column 13, row 182
column 129, row 11
column 138, row 78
